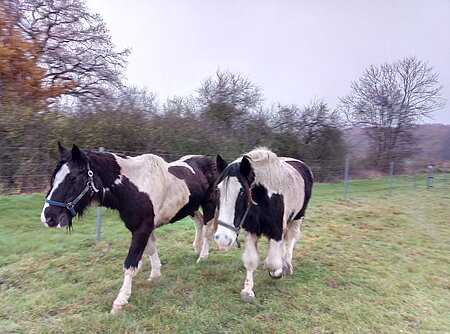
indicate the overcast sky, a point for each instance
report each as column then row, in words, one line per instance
column 296, row 51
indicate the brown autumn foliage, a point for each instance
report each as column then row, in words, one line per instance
column 21, row 79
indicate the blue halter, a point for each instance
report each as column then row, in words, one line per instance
column 71, row 205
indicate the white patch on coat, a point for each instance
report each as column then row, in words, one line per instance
column 149, row 173
column 181, row 163
column 186, row 157
column 229, row 190
column 250, row 259
column 59, row 178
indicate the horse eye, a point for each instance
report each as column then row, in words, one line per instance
column 72, row 178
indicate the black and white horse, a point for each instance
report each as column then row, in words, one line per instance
column 265, row 195
column 147, row 191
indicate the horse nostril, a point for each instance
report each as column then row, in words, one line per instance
column 216, row 237
column 50, row 221
column 63, row 221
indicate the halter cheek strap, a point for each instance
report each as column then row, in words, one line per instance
column 237, row 229
column 90, row 186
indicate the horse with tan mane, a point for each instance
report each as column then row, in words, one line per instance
column 264, row 195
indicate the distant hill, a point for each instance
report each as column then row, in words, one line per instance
column 433, row 142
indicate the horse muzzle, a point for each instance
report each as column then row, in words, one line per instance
column 57, row 222
column 224, row 241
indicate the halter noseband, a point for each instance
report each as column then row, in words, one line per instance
column 90, row 186
column 238, row 228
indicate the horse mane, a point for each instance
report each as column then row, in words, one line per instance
column 269, row 170
column 262, row 155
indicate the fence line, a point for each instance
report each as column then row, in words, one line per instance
column 33, row 174
column 30, row 168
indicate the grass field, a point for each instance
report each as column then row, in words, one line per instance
column 376, row 264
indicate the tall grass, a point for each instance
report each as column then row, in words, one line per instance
column 378, row 264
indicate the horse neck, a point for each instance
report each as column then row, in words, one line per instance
column 106, row 169
column 270, row 174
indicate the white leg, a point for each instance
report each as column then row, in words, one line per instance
column 275, row 258
column 125, row 291
column 198, row 222
column 292, row 235
column 208, row 231
column 250, row 259
column 154, row 258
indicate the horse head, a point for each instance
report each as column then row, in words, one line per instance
column 72, row 187
column 233, row 200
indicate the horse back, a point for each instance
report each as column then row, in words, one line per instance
column 199, row 172
column 308, row 178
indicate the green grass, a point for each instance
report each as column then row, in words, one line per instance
column 378, row 264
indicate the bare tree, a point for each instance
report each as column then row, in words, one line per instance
column 311, row 133
column 306, row 121
column 227, row 96
column 181, row 107
column 388, row 100
column 72, row 45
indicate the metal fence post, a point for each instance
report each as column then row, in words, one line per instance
column 99, row 210
column 346, row 166
column 430, row 176
column 391, row 174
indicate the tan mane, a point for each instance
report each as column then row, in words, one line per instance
column 269, row 170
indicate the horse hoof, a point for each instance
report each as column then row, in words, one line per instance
column 202, row 258
column 116, row 309
column 287, row 269
column 197, row 248
column 246, row 295
column 153, row 278
column 276, row 274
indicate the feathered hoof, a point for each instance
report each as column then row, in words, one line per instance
column 287, row 269
column 276, row 274
column 154, row 278
column 247, row 295
column 116, row 309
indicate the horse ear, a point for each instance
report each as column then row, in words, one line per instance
column 62, row 149
column 77, row 154
column 221, row 164
column 246, row 166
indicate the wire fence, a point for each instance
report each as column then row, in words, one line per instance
column 28, row 170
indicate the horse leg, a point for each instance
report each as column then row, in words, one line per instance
column 155, row 262
column 208, row 231
column 275, row 257
column 198, row 221
column 139, row 240
column 250, row 259
column 292, row 235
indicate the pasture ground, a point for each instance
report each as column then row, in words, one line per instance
column 378, row 264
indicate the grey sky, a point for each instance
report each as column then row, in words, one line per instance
column 296, row 51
